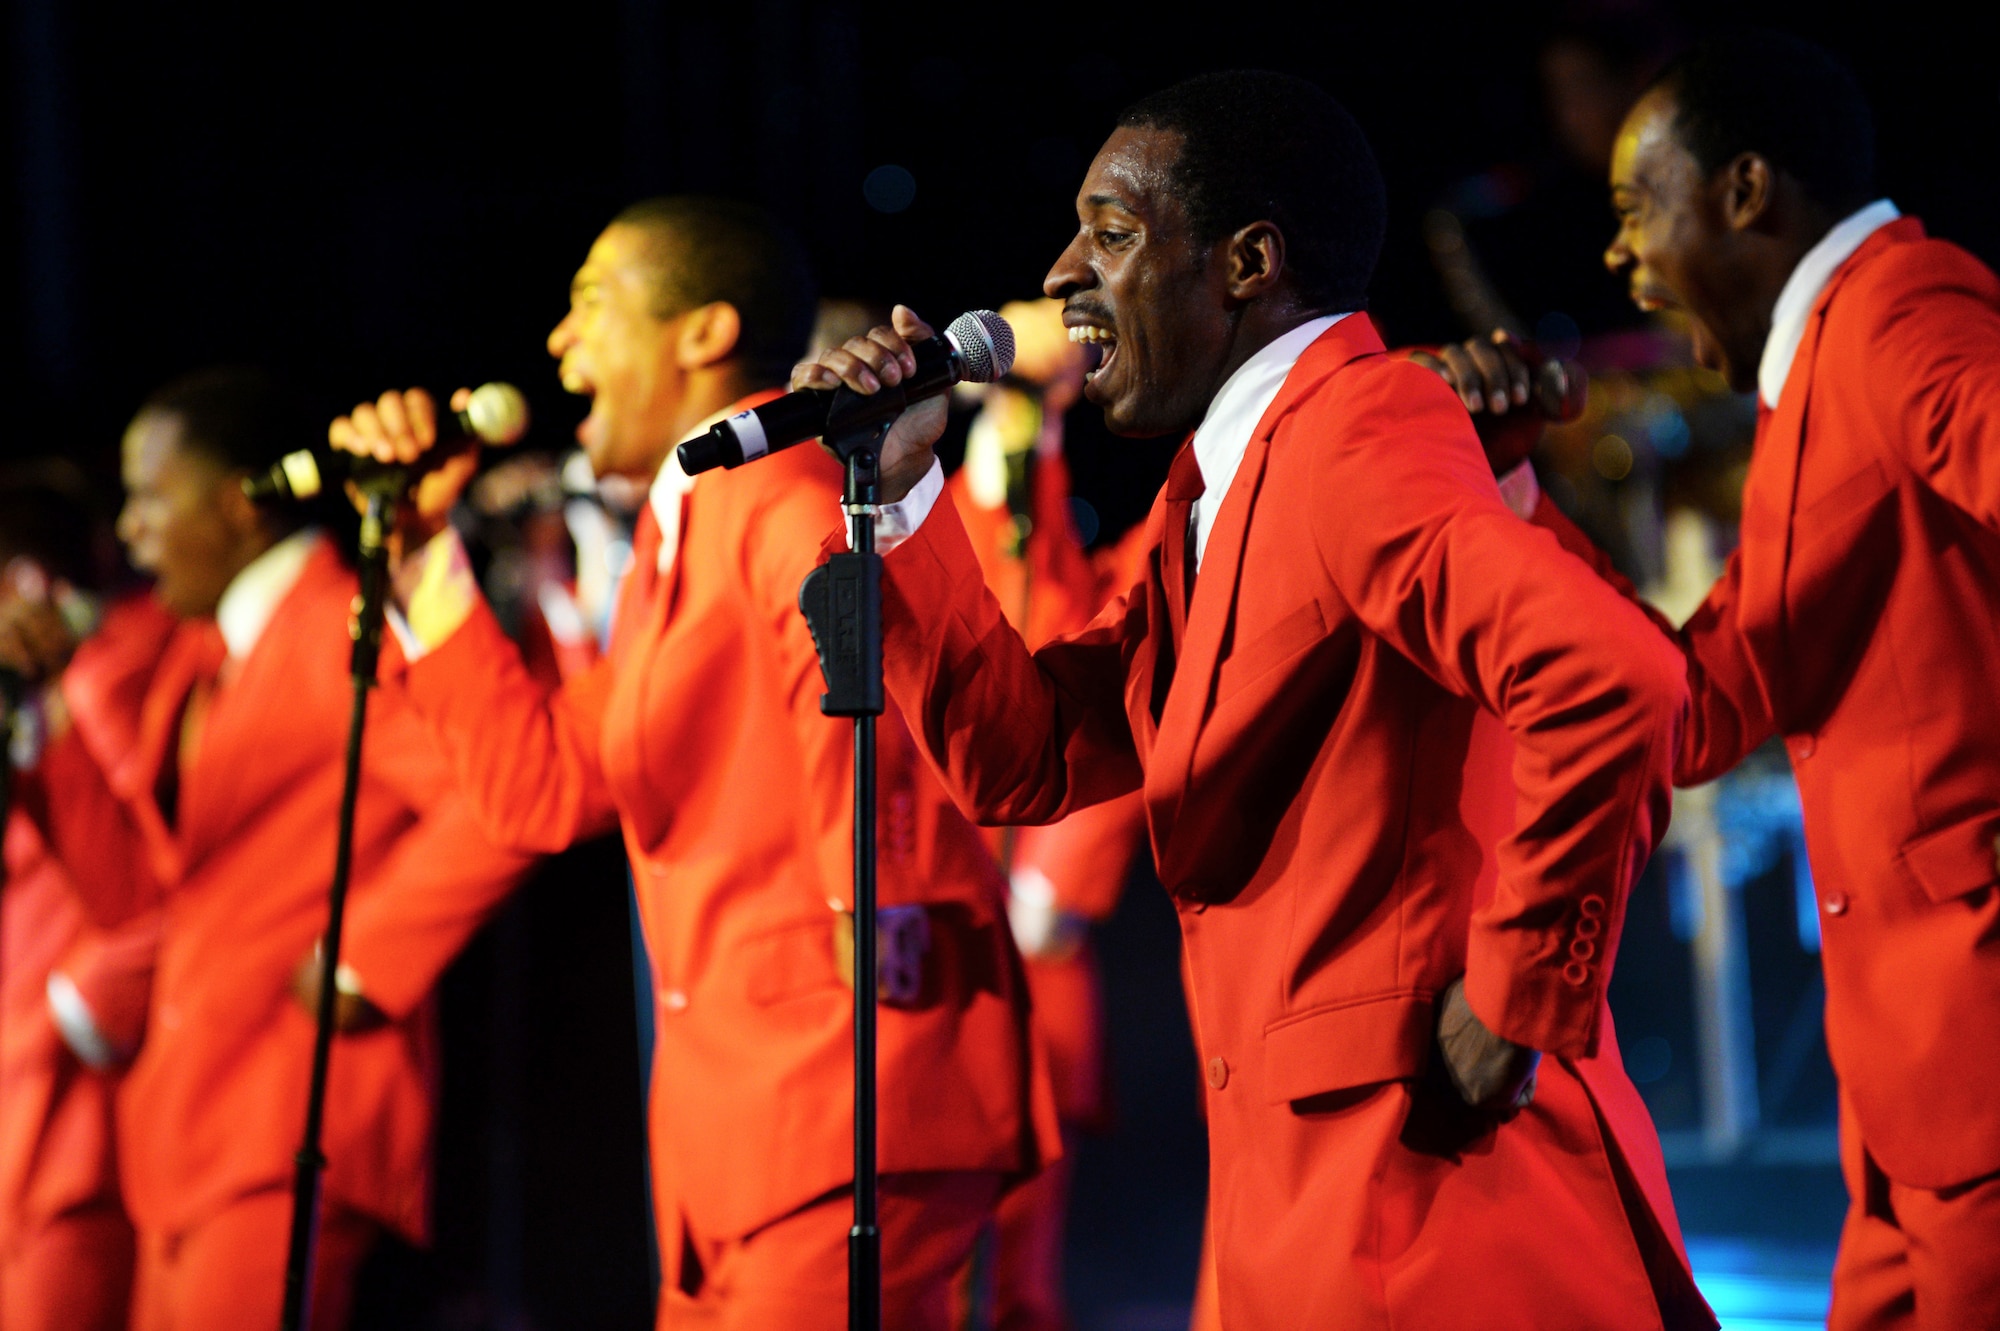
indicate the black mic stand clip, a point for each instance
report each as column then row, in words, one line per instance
column 842, row 603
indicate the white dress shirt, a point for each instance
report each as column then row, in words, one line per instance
column 672, row 484
column 1223, row 436
column 1802, row 288
column 254, row 594
column 1220, row 441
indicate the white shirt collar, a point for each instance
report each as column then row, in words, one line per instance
column 671, row 484
column 1802, row 288
column 1224, row 433
column 254, row 594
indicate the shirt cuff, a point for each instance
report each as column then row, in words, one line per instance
column 437, row 590
column 899, row 521
column 1521, row 492
column 77, row 1024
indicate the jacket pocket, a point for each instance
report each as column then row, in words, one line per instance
column 1386, row 1037
column 789, row 962
column 1830, row 510
column 1298, row 630
column 1955, row 861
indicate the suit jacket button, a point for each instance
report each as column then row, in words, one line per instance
column 1218, row 1073
column 1805, row 746
column 674, row 1001
column 1836, row 902
column 1591, row 906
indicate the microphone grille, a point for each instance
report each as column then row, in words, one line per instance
column 498, row 413
column 985, row 345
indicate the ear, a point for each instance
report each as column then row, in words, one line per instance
column 1745, row 187
column 1255, row 261
column 708, row 335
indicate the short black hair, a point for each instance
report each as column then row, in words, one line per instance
column 1259, row 146
column 1786, row 100
column 244, row 418
column 238, row 416
column 708, row 249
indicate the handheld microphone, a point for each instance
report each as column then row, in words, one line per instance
column 978, row 348
column 81, row 611
column 497, row 414
column 1559, row 389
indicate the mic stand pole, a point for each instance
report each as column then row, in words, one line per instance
column 842, row 603
column 311, row 1162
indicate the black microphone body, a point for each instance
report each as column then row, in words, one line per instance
column 809, row 413
column 497, row 414
column 1559, row 389
column 977, row 348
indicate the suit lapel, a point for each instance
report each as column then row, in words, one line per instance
column 159, row 744
column 217, row 793
column 1212, row 611
column 1771, row 492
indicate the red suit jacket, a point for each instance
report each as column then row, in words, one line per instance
column 215, row 1103
column 56, row 1150
column 1860, row 619
column 1328, row 795
column 701, row 733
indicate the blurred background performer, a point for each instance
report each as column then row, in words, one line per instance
column 72, row 996
column 229, row 800
column 1399, row 953
column 701, row 734
column 1858, row 618
column 1013, row 494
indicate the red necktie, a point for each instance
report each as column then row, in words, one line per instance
column 201, row 658
column 1177, row 556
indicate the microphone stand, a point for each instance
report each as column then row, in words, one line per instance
column 311, row 1160
column 842, row 603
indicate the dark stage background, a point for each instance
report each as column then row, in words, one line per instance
column 369, row 195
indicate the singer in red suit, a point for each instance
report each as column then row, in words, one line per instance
column 72, row 1005
column 231, row 792
column 700, row 735
column 1859, row 619
column 1399, row 926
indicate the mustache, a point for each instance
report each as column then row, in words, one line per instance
column 1090, row 309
